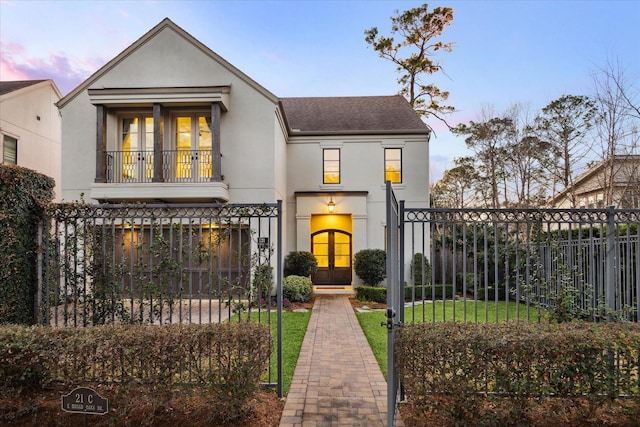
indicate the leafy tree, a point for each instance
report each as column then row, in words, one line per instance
column 371, row 266
column 456, row 187
column 419, row 29
column 487, row 139
column 526, row 156
column 565, row 125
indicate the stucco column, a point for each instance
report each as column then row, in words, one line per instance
column 158, row 143
column 216, row 156
column 101, row 142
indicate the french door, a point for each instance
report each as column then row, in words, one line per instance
column 332, row 249
column 193, row 161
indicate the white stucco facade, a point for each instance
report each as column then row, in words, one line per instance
column 30, row 116
column 262, row 158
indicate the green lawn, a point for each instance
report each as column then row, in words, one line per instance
column 294, row 326
column 480, row 312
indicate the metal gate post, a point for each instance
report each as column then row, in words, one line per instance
column 394, row 301
column 279, row 298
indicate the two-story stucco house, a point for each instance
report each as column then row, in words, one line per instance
column 169, row 120
column 30, row 127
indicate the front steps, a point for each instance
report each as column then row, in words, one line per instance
column 334, row 290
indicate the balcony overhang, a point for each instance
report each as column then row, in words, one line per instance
column 200, row 192
column 169, row 96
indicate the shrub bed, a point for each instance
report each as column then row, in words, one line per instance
column 227, row 359
column 476, row 373
column 297, row 288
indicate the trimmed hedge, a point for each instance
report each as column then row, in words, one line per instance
column 227, row 358
column 465, row 371
column 24, row 194
column 377, row 294
column 435, row 291
column 371, row 293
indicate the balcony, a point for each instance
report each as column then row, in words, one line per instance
column 185, row 176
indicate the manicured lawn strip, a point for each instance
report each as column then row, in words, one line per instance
column 294, row 326
column 377, row 335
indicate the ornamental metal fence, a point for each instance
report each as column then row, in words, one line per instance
column 505, row 264
column 495, row 265
column 161, row 264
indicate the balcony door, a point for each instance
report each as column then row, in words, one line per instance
column 332, row 249
column 193, row 160
column 136, row 164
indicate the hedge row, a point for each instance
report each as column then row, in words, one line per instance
column 24, row 195
column 463, row 372
column 228, row 359
column 379, row 294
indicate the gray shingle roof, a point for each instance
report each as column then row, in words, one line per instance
column 10, row 86
column 351, row 115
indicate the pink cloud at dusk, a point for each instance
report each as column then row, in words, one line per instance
column 16, row 64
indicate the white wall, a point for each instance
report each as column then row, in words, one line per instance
column 169, row 60
column 31, row 116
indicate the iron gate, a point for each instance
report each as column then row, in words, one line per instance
column 395, row 301
column 162, row 264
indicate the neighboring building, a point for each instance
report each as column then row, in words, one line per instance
column 169, row 120
column 612, row 182
column 30, row 126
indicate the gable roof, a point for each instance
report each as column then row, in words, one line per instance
column 592, row 172
column 10, row 86
column 165, row 23
column 351, row 115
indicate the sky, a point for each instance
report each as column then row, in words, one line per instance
column 505, row 52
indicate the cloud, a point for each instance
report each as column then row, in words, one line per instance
column 16, row 64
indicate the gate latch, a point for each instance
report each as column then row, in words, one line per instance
column 390, row 313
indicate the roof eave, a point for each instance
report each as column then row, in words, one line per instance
column 425, row 132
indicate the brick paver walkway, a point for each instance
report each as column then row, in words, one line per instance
column 337, row 381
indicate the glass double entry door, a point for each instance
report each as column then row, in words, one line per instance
column 332, row 249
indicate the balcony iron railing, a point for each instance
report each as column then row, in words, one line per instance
column 177, row 166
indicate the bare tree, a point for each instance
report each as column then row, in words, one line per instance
column 617, row 131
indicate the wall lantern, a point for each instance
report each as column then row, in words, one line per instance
column 331, row 206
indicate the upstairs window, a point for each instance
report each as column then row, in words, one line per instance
column 137, row 148
column 331, row 166
column 393, row 165
column 193, row 142
column 9, row 150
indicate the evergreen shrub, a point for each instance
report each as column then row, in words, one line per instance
column 24, row 195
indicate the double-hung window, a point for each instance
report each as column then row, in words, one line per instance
column 9, row 150
column 136, row 141
column 393, row 165
column 331, row 166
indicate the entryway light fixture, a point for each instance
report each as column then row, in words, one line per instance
column 331, row 206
